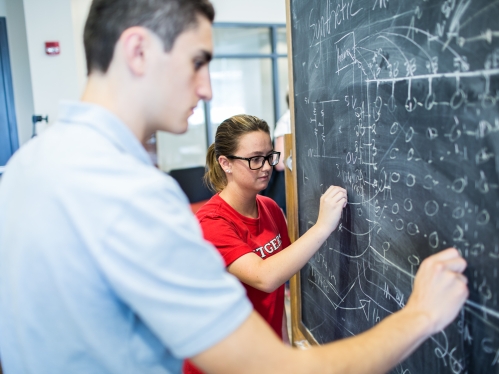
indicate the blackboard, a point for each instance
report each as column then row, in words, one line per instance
column 398, row 102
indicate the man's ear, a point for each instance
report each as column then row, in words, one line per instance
column 135, row 43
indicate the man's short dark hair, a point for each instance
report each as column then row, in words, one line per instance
column 108, row 19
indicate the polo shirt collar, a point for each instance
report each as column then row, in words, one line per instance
column 104, row 122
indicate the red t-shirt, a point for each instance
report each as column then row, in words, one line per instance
column 235, row 235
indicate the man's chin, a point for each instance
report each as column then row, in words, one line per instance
column 177, row 128
column 183, row 130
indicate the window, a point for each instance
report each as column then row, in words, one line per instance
column 249, row 74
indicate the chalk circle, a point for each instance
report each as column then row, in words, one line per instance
column 359, row 211
column 391, row 104
column 482, row 185
column 431, row 208
column 411, row 104
column 458, row 213
column 413, row 260
column 408, row 204
column 433, row 239
column 477, row 249
column 410, row 154
column 399, row 224
column 430, row 101
column 386, row 246
column 429, row 182
column 395, row 177
column 410, row 180
column 459, row 184
column 394, row 128
column 485, row 291
column 454, row 134
column 412, row 228
column 483, row 217
column 409, row 135
column 395, row 208
column 392, row 156
column 431, row 133
column 488, row 101
column 457, row 99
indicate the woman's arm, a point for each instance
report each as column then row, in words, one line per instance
column 267, row 275
column 279, row 147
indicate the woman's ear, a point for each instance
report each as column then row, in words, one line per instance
column 225, row 164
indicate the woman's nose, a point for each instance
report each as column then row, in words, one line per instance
column 267, row 165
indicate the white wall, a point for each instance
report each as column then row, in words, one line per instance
column 239, row 11
column 41, row 81
column 255, row 11
column 13, row 11
column 64, row 76
column 79, row 13
column 53, row 77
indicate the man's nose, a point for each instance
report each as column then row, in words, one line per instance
column 204, row 85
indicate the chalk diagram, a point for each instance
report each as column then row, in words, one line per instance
column 407, row 119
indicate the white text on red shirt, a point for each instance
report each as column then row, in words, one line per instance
column 270, row 247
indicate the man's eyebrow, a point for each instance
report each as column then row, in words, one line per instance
column 206, row 56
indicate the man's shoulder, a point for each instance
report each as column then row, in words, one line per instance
column 78, row 161
column 63, row 145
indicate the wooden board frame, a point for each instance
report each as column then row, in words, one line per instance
column 300, row 335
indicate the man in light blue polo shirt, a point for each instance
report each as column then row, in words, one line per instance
column 111, row 273
column 103, row 268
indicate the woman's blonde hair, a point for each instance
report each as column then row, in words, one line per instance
column 226, row 143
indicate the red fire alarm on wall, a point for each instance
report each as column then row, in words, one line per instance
column 52, row 48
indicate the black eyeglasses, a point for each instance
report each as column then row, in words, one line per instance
column 257, row 162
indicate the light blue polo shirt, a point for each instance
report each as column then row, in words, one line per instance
column 103, row 268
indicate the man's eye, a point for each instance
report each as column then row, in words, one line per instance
column 198, row 64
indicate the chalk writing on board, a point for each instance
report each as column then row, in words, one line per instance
column 399, row 103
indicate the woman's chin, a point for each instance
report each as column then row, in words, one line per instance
column 263, row 185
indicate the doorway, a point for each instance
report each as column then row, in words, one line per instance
column 9, row 142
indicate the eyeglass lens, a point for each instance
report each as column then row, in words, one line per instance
column 258, row 161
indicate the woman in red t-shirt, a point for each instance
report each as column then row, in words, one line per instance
column 249, row 230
